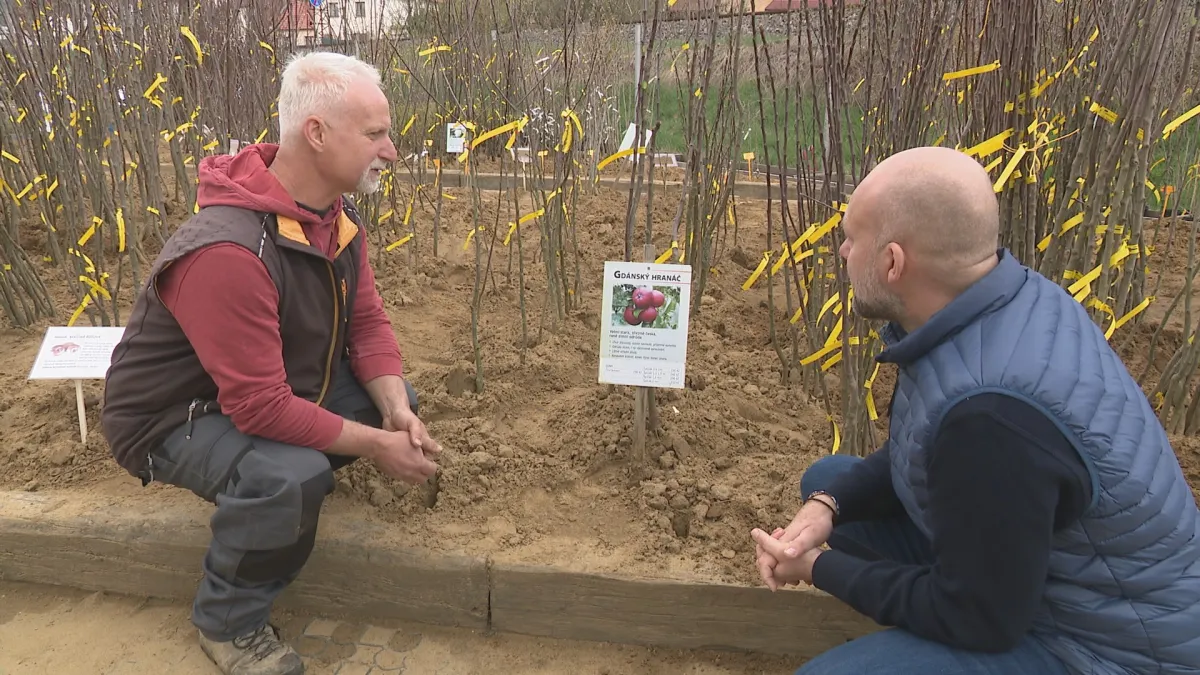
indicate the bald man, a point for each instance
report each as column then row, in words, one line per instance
column 1027, row 513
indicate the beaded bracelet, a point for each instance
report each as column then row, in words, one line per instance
column 832, row 507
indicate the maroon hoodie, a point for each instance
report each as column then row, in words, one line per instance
column 226, row 304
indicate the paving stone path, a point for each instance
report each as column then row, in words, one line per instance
column 342, row 648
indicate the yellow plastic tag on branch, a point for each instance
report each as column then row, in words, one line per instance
column 821, row 353
column 977, row 70
column 471, row 235
column 833, row 361
column 87, row 299
column 618, row 155
column 1008, row 170
column 408, row 209
column 536, row 214
column 187, row 33
column 782, row 259
column 666, row 255
column 158, row 82
column 1132, row 313
column 870, row 395
column 989, row 146
column 757, row 272
column 399, row 242
column 1083, row 284
column 1178, row 121
column 825, row 228
column 833, row 300
column 569, row 130
column 1103, row 112
column 570, row 115
column 1066, row 227
column 495, row 132
column 87, row 236
column 95, row 287
column 120, row 231
column 836, row 333
column 431, row 50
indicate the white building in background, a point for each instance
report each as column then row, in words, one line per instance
column 363, row 17
column 334, row 22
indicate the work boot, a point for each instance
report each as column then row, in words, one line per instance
column 258, row 653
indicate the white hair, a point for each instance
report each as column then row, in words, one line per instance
column 314, row 83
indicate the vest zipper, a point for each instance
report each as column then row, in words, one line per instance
column 334, row 338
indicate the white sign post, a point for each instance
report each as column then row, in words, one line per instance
column 644, row 324
column 456, row 138
column 76, row 353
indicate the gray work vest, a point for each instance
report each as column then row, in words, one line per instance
column 1123, row 590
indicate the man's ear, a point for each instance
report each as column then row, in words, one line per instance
column 895, row 260
column 315, row 133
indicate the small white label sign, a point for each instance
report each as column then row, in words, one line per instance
column 456, row 138
column 644, row 324
column 76, row 352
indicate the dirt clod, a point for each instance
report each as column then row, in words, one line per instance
column 459, row 381
column 59, row 455
column 679, row 445
column 742, row 259
column 482, row 460
column 380, row 496
column 681, row 523
column 722, row 493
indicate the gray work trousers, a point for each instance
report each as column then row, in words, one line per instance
column 268, row 497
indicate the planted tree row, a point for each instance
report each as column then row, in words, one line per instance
column 1079, row 110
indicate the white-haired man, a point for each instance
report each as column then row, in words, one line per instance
column 258, row 358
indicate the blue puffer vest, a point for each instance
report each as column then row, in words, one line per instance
column 1123, row 590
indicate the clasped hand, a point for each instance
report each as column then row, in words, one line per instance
column 409, row 450
column 786, row 556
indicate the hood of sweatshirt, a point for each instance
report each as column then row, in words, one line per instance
column 244, row 180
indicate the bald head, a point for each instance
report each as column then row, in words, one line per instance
column 935, row 203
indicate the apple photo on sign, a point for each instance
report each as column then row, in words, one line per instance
column 645, row 306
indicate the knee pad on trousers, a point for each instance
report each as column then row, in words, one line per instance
column 287, row 561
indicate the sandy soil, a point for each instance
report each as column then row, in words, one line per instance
column 537, row 468
column 48, row 631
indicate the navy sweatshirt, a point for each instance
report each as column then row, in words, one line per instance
column 1002, row 480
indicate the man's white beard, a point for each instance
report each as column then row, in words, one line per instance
column 368, row 184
